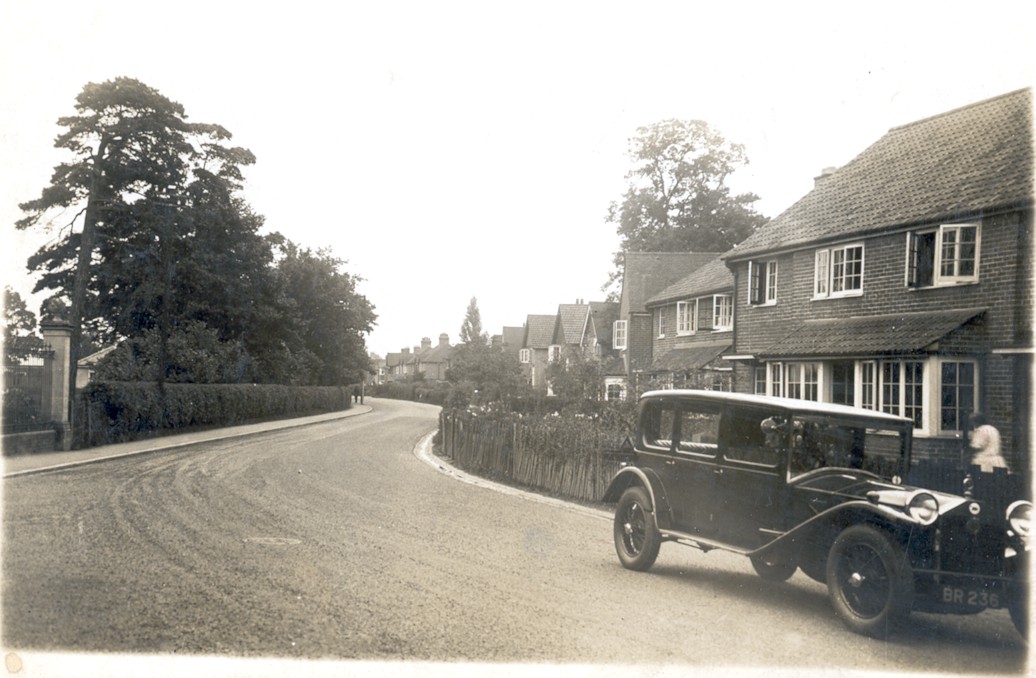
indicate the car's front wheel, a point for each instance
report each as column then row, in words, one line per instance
column 773, row 568
column 636, row 538
column 869, row 580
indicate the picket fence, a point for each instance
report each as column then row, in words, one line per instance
column 562, row 456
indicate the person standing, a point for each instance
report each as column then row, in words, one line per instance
column 984, row 441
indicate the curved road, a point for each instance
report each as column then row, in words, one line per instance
column 336, row 540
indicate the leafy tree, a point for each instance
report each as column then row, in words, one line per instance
column 316, row 334
column 576, row 378
column 677, row 199
column 471, row 329
column 143, row 180
column 20, row 340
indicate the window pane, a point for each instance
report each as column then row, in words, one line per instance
column 890, row 388
column 913, row 392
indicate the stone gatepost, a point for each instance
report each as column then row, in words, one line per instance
column 56, row 374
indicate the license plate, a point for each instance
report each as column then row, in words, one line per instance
column 977, row 598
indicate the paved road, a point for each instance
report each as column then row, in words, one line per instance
column 337, row 541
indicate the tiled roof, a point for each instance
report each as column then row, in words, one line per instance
column 393, row 359
column 945, row 168
column 689, row 358
column 437, row 354
column 711, row 278
column 539, row 331
column 895, row 333
column 571, row 322
column 647, row 273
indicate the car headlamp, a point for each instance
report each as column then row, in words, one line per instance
column 923, row 508
column 1018, row 515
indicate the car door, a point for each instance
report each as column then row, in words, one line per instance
column 694, row 456
column 654, row 449
column 750, row 491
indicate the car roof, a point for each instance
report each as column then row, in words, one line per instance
column 790, row 404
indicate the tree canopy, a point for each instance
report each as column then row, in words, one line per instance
column 677, row 199
column 179, row 260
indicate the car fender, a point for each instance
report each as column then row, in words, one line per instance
column 649, row 480
column 820, row 530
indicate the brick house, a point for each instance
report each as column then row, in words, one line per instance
column 433, row 361
column 533, row 356
column 644, row 275
column 694, row 322
column 903, row 282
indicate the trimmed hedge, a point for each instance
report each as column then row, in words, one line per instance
column 112, row 412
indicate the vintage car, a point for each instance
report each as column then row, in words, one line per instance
column 818, row 487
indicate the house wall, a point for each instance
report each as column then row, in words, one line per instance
column 1005, row 290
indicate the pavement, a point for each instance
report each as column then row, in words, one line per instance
column 25, row 464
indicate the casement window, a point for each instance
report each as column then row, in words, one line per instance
column 525, row 356
column 843, row 382
column 838, row 272
column 553, row 353
column 759, row 379
column 958, row 388
column 762, row 282
column 661, row 322
column 614, row 389
column 777, row 379
column 722, row 312
column 802, row 381
column 902, row 389
column 869, row 385
column 686, row 317
column 947, row 255
column 619, row 335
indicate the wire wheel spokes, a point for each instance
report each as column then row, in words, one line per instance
column 634, row 529
column 864, row 580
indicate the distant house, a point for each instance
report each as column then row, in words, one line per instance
column 433, row 362
column 645, row 274
column 903, row 282
column 536, row 346
column 695, row 325
column 86, row 367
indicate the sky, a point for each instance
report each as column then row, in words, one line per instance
column 452, row 150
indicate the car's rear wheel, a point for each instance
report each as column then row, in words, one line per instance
column 773, row 567
column 636, row 538
column 869, row 580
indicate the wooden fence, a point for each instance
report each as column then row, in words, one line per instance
column 568, row 456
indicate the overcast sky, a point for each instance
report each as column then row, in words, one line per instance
column 450, row 150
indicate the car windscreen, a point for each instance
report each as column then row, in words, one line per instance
column 822, row 442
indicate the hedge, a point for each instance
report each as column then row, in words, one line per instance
column 112, row 412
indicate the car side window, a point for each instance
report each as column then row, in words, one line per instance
column 699, row 432
column 657, row 424
column 753, row 436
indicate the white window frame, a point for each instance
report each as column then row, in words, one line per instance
column 619, row 338
column 759, row 379
column 616, row 383
column 525, row 356
column 762, row 282
column 661, row 322
column 554, row 353
column 942, row 234
column 686, row 317
column 829, row 272
column 937, row 416
column 722, row 312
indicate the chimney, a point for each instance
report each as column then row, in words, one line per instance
column 417, row 349
column 824, row 174
column 444, row 339
column 405, row 350
column 426, row 343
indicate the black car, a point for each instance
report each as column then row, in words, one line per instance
column 794, row 484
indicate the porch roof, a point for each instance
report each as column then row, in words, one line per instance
column 689, row 358
column 894, row 333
